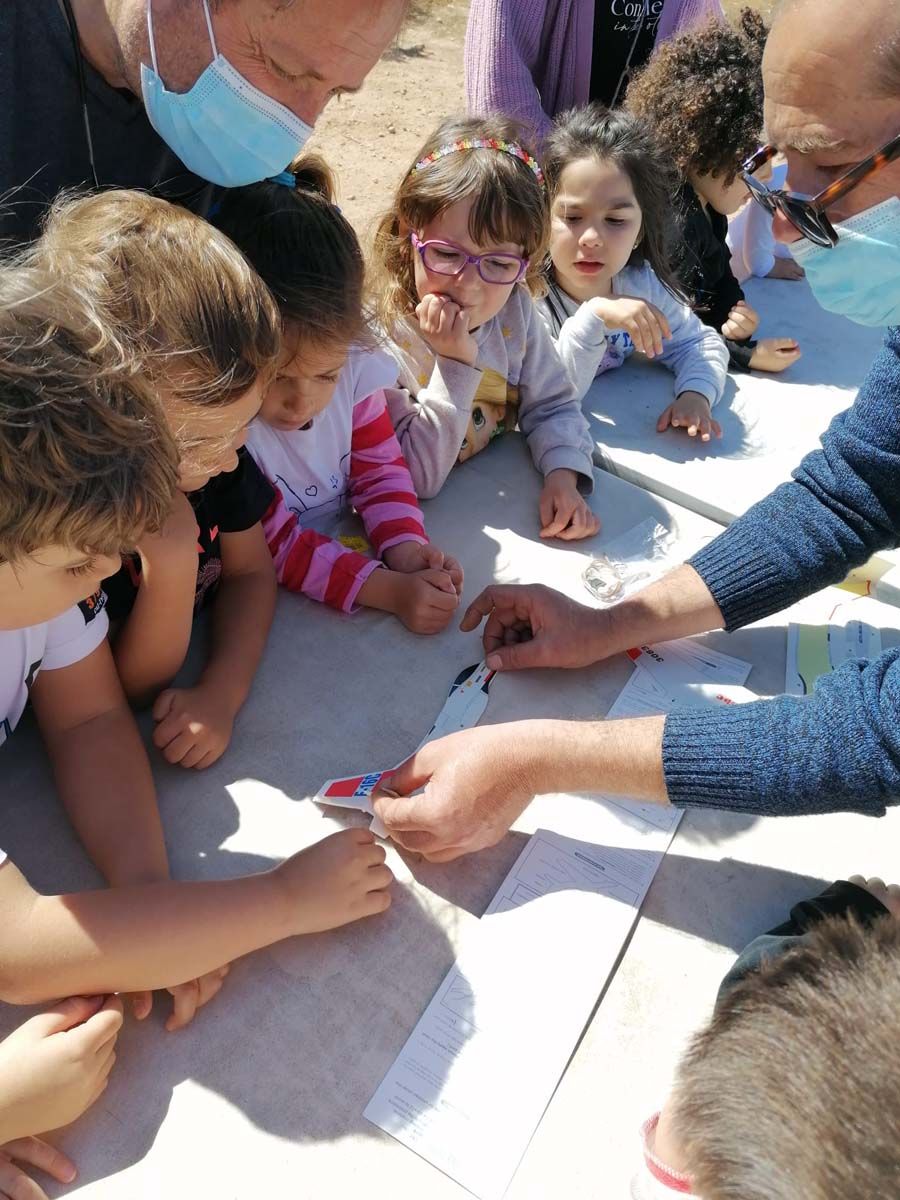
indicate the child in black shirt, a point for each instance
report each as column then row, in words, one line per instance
column 702, row 96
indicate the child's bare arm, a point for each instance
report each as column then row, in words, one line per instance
column 152, row 642
column 194, row 724
column 101, row 768
column 156, row 935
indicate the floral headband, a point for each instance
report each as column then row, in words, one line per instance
column 512, row 148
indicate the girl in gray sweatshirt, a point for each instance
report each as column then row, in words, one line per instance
column 611, row 288
column 455, row 261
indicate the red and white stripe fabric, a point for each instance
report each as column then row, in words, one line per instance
column 349, row 458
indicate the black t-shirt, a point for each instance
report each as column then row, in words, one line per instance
column 43, row 145
column 624, row 36
column 705, row 270
column 229, row 503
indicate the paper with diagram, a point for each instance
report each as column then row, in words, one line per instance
column 470, row 1086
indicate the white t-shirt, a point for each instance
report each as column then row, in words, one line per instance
column 65, row 640
column 311, row 467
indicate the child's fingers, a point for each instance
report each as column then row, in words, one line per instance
column 662, row 321
column 193, row 756
column 546, row 508
column 555, row 527
column 178, row 747
column 141, row 1005
column 102, row 1029
column 169, row 728
column 715, row 427
column 185, row 1001
column 65, row 1015
column 163, row 705
column 665, row 419
column 35, row 1152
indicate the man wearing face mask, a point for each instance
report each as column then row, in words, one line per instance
column 169, row 95
column 832, row 82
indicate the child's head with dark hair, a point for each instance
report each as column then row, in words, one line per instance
column 611, row 193
column 307, row 254
column 475, row 184
column 792, row 1091
column 702, row 95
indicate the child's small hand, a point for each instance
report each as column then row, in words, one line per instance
column 193, row 725
column 31, row 1152
column 644, row 323
column 774, row 354
column 409, row 557
column 887, row 893
column 563, row 510
column 445, row 327
column 742, row 322
column 425, row 601
column 56, row 1065
column 338, row 880
column 786, row 268
column 187, row 998
column 691, row 412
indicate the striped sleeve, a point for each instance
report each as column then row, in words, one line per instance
column 381, row 487
column 308, row 562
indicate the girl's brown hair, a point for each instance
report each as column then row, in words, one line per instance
column 303, row 249
column 175, row 290
column 509, row 205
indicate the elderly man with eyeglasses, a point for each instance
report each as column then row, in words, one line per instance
column 832, row 80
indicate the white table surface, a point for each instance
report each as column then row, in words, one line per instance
column 769, row 422
column 263, row 1095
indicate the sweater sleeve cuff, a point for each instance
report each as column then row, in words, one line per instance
column 458, row 381
column 569, row 459
column 744, row 580
column 587, row 328
column 703, row 386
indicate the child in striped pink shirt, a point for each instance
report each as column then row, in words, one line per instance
column 323, row 436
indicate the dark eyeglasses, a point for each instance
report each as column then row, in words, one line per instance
column 808, row 216
column 446, row 258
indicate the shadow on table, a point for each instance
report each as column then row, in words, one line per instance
column 302, row 1033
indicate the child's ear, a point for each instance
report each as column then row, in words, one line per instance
column 403, row 228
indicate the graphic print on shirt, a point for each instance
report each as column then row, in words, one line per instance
column 328, row 494
column 495, row 410
column 619, row 346
column 92, row 606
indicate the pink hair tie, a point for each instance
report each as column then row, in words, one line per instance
column 511, row 148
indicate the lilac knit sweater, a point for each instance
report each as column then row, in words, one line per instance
column 531, row 59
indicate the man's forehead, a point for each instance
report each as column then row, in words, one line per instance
column 317, row 36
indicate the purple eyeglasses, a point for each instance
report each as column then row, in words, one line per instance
column 445, row 258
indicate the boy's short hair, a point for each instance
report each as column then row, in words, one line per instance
column 793, row 1090
column 86, row 459
column 702, row 96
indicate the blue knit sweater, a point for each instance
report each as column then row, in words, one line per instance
column 839, row 748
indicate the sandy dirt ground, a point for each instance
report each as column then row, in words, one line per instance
column 371, row 138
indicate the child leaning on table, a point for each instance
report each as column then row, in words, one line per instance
column 456, row 261
column 701, row 95
column 206, row 335
column 323, row 435
column 611, row 287
column 88, row 469
column 792, row 1090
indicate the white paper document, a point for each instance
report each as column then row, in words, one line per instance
column 470, row 1086
column 687, row 661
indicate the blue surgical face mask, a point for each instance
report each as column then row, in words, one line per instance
column 224, row 129
column 860, row 276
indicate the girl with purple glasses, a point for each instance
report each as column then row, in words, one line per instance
column 457, row 260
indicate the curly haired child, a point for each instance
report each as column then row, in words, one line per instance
column 324, row 436
column 702, row 96
column 456, row 260
column 611, row 285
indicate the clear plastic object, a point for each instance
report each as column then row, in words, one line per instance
column 632, row 559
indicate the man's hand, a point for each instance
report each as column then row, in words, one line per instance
column 445, row 328
column 193, row 725
column 742, row 322
column 563, row 510
column 691, row 412
column 533, row 626
column 476, row 784
column 644, row 323
column 410, row 557
column 774, row 354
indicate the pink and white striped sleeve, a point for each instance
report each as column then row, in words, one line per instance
column 381, row 487
column 305, row 561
